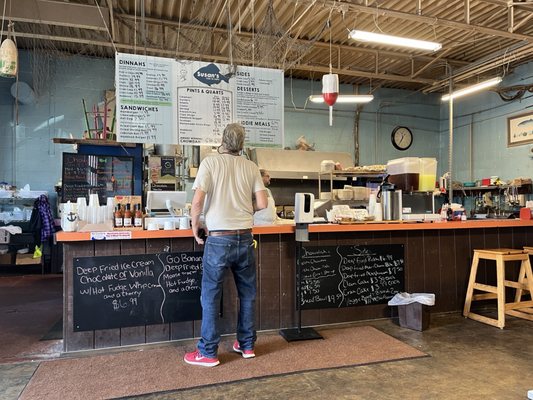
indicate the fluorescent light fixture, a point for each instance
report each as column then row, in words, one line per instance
column 344, row 98
column 364, row 36
column 472, row 89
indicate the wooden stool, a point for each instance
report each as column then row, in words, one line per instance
column 518, row 308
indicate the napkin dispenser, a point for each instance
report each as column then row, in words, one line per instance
column 304, row 209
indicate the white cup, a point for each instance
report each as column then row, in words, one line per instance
column 110, row 207
column 82, row 208
column 94, row 201
column 378, row 212
column 185, row 223
column 152, row 226
column 169, row 225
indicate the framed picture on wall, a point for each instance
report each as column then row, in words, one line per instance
column 520, row 129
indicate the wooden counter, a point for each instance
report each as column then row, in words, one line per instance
column 315, row 228
column 437, row 260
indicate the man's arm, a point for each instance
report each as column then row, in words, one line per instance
column 197, row 206
column 261, row 200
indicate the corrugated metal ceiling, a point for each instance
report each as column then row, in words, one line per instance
column 480, row 38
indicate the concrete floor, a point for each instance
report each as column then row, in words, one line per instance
column 468, row 360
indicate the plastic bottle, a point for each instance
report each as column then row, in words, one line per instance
column 138, row 219
column 119, row 222
column 128, row 217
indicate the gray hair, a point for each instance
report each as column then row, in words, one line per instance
column 233, row 137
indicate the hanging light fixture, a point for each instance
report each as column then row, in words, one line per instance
column 8, row 55
column 471, row 89
column 364, row 36
column 330, row 91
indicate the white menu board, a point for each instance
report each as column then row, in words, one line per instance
column 190, row 102
column 146, row 111
column 205, row 102
column 259, row 105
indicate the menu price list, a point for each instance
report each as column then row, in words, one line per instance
column 345, row 276
column 203, row 114
column 144, row 98
column 135, row 290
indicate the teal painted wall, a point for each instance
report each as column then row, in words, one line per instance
column 27, row 154
column 480, row 133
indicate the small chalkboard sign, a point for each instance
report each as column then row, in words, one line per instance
column 135, row 290
column 107, row 176
column 345, row 276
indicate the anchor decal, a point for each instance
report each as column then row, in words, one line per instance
column 71, row 217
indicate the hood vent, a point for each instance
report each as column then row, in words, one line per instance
column 296, row 164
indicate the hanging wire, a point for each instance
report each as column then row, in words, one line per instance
column 230, row 33
column 3, row 18
column 253, row 33
column 106, row 27
column 135, row 27
column 179, row 30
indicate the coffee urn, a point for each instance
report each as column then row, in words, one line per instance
column 391, row 202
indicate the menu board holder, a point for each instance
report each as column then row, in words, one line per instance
column 107, row 176
column 299, row 333
column 112, row 292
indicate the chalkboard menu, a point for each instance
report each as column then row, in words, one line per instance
column 345, row 276
column 84, row 174
column 135, row 290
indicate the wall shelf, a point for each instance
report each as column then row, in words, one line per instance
column 100, row 142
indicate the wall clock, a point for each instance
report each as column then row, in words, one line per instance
column 401, row 137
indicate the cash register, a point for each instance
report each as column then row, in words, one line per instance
column 162, row 206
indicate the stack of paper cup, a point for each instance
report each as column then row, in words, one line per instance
column 378, row 212
column 102, row 214
column 110, row 207
column 82, row 208
column 372, row 204
column 93, row 200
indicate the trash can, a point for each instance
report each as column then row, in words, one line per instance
column 413, row 309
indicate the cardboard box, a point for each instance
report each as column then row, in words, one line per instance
column 7, row 258
column 27, row 259
column 123, row 200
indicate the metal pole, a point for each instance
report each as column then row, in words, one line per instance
column 450, row 145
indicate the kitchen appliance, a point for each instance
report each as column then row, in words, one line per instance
column 404, row 173
column 391, row 202
column 304, row 208
column 163, row 207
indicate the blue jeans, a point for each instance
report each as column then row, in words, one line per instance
column 220, row 253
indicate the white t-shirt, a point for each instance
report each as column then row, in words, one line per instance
column 229, row 183
column 266, row 216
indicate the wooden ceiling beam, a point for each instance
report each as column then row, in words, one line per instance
column 432, row 21
column 317, row 44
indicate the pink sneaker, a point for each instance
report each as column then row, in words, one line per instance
column 245, row 353
column 196, row 358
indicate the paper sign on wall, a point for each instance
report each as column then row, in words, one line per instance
column 195, row 100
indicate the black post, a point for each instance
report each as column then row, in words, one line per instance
column 299, row 333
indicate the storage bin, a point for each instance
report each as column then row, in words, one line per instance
column 404, row 173
column 428, row 174
column 414, row 316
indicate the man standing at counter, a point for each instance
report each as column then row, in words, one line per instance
column 224, row 190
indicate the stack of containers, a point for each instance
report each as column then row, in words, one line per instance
column 404, row 173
